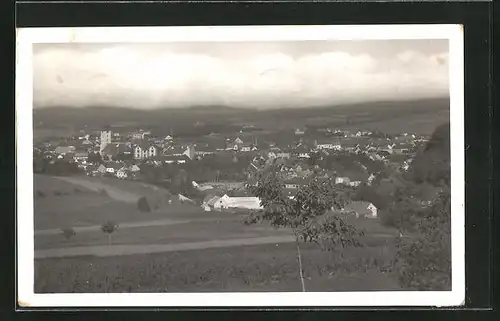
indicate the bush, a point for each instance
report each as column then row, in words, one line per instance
column 68, row 233
column 143, row 205
column 57, row 193
column 109, row 227
column 40, row 194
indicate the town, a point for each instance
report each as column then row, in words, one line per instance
column 240, row 166
column 219, row 167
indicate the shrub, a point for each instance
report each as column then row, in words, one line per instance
column 57, row 193
column 143, row 205
column 68, row 233
column 40, row 194
column 109, row 227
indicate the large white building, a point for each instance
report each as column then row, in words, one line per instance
column 143, row 151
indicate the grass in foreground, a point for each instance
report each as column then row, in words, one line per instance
column 242, row 269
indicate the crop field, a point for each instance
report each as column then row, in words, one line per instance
column 271, row 267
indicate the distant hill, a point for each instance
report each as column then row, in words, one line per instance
column 421, row 116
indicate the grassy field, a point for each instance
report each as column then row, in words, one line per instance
column 270, row 267
column 61, row 204
column 195, row 231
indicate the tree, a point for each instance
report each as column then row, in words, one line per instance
column 369, row 194
column 124, row 157
column 424, row 260
column 308, row 215
column 95, row 158
column 68, row 233
column 143, row 205
column 109, row 227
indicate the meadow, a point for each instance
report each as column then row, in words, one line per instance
column 79, row 203
column 271, row 267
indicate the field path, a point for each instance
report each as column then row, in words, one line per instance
column 94, row 228
column 116, row 250
column 130, row 249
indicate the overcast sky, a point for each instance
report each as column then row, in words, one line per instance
column 260, row 75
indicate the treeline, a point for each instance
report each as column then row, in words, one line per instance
column 424, row 259
column 56, row 167
column 347, row 163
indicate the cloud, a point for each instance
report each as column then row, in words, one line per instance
column 124, row 76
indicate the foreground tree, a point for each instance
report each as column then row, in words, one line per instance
column 424, row 259
column 109, row 227
column 310, row 215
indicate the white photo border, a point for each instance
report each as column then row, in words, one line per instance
column 26, row 37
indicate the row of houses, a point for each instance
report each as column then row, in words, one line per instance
column 119, row 170
column 225, row 202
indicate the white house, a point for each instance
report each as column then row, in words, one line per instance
column 371, row 178
column 226, row 202
column 221, row 202
column 283, row 155
column 342, row 180
column 324, row 146
column 143, row 151
column 364, row 209
column 355, row 183
column 110, row 170
column 271, row 155
column 246, row 148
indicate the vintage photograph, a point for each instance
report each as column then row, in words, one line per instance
column 213, row 162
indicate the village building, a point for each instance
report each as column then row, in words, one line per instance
column 122, row 173
column 299, row 131
column 354, row 183
column 145, row 150
column 361, row 209
column 342, row 180
column 175, row 159
column 61, row 150
column 283, row 155
column 105, row 139
column 101, row 169
column 81, row 156
column 112, row 168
